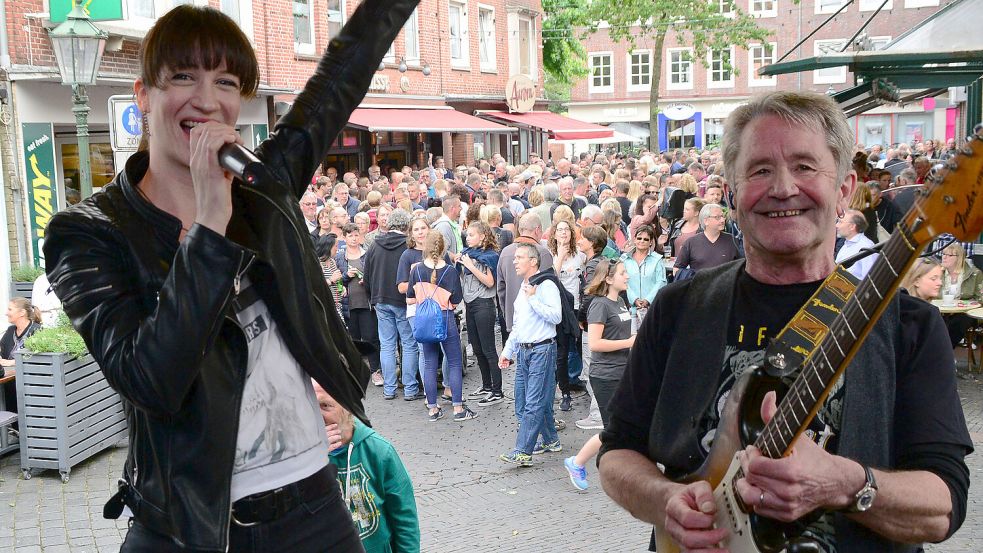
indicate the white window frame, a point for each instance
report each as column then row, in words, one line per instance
column 886, row 39
column 752, row 76
column 871, row 5
column 600, row 89
column 306, row 48
column 411, row 39
column 818, row 75
column 689, row 63
column 721, row 84
column 835, row 5
column 631, row 72
column 773, row 12
column 337, row 16
column 532, row 42
column 729, row 4
column 487, row 42
column 921, row 3
column 464, row 59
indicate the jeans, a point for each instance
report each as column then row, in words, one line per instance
column 363, row 325
column 442, row 358
column 393, row 323
column 575, row 364
column 481, row 314
column 452, row 357
column 534, row 382
column 593, row 412
column 323, row 524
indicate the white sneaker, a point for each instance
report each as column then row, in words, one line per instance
column 589, row 424
column 377, row 378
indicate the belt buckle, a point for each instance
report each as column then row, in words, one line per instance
column 270, row 495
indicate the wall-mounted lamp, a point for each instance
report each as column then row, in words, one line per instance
column 426, row 66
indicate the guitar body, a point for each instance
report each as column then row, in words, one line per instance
column 740, row 424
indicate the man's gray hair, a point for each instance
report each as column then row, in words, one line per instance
column 308, row 195
column 809, row 110
column 399, row 220
column 589, row 212
column 551, row 192
column 531, row 250
column 705, row 211
column 529, row 222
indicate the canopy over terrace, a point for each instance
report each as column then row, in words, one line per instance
column 943, row 51
column 558, row 127
column 421, row 120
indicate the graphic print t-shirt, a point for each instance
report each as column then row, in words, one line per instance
column 759, row 313
column 281, row 433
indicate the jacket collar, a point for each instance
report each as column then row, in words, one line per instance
column 163, row 223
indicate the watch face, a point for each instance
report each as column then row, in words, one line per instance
column 866, row 499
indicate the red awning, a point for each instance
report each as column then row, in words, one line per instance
column 421, row 120
column 559, row 127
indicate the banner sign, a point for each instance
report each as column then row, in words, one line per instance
column 42, row 192
column 98, row 10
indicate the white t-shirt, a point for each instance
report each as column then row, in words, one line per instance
column 281, row 433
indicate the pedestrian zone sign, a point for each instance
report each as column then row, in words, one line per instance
column 126, row 124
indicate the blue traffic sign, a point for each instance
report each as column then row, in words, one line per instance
column 130, row 120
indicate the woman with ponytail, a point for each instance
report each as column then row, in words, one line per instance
column 24, row 319
column 609, row 338
column 437, row 279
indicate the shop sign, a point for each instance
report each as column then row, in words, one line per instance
column 620, row 112
column 98, row 10
column 42, row 193
column 679, row 111
column 380, row 83
column 520, row 94
column 126, row 123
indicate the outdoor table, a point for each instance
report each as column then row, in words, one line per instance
column 974, row 333
column 957, row 307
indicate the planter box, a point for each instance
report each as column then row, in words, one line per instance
column 68, row 412
column 21, row 289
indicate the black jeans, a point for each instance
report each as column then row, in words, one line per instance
column 957, row 324
column 604, row 390
column 323, row 524
column 481, row 317
column 363, row 325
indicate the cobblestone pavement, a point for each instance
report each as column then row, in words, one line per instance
column 468, row 500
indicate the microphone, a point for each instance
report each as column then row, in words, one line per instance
column 239, row 161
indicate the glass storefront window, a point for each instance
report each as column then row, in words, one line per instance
column 100, row 162
column 681, row 134
column 714, row 131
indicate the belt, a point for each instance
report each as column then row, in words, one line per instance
column 536, row 344
column 271, row 505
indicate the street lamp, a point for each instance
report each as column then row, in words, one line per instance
column 78, row 46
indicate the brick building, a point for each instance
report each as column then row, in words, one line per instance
column 454, row 57
column 695, row 99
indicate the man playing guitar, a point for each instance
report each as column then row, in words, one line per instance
column 881, row 467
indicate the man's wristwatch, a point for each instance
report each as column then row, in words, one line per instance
column 864, row 499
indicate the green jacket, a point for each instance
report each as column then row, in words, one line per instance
column 972, row 284
column 379, row 493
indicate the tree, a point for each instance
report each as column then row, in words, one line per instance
column 564, row 57
column 703, row 24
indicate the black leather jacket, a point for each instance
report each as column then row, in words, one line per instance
column 157, row 314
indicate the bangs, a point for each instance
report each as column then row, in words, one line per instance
column 193, row 36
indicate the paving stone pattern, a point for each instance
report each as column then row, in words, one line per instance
column 468, row 500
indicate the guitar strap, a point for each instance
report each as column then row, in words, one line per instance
column 803, row 334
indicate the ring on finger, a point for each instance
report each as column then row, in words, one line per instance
column 761, row 499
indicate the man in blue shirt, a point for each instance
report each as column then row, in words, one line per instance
column 532, row 343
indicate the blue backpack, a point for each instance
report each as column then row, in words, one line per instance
column 430, row 325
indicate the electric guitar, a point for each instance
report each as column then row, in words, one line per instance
column 951, row 202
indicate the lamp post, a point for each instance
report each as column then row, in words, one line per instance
column 78, row 46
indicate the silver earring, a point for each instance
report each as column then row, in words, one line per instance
column 146, row 125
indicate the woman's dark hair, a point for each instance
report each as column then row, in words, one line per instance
column 597, row 237
column 198, row 36
column 324, row 244
column 640, row 202
column 649, row 230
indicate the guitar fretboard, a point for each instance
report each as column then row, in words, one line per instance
column 821, row 370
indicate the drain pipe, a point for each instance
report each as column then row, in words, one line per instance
column 4, row 47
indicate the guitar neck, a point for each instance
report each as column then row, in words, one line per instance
column 846, row 333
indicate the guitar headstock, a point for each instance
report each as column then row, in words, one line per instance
column 952, row 199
